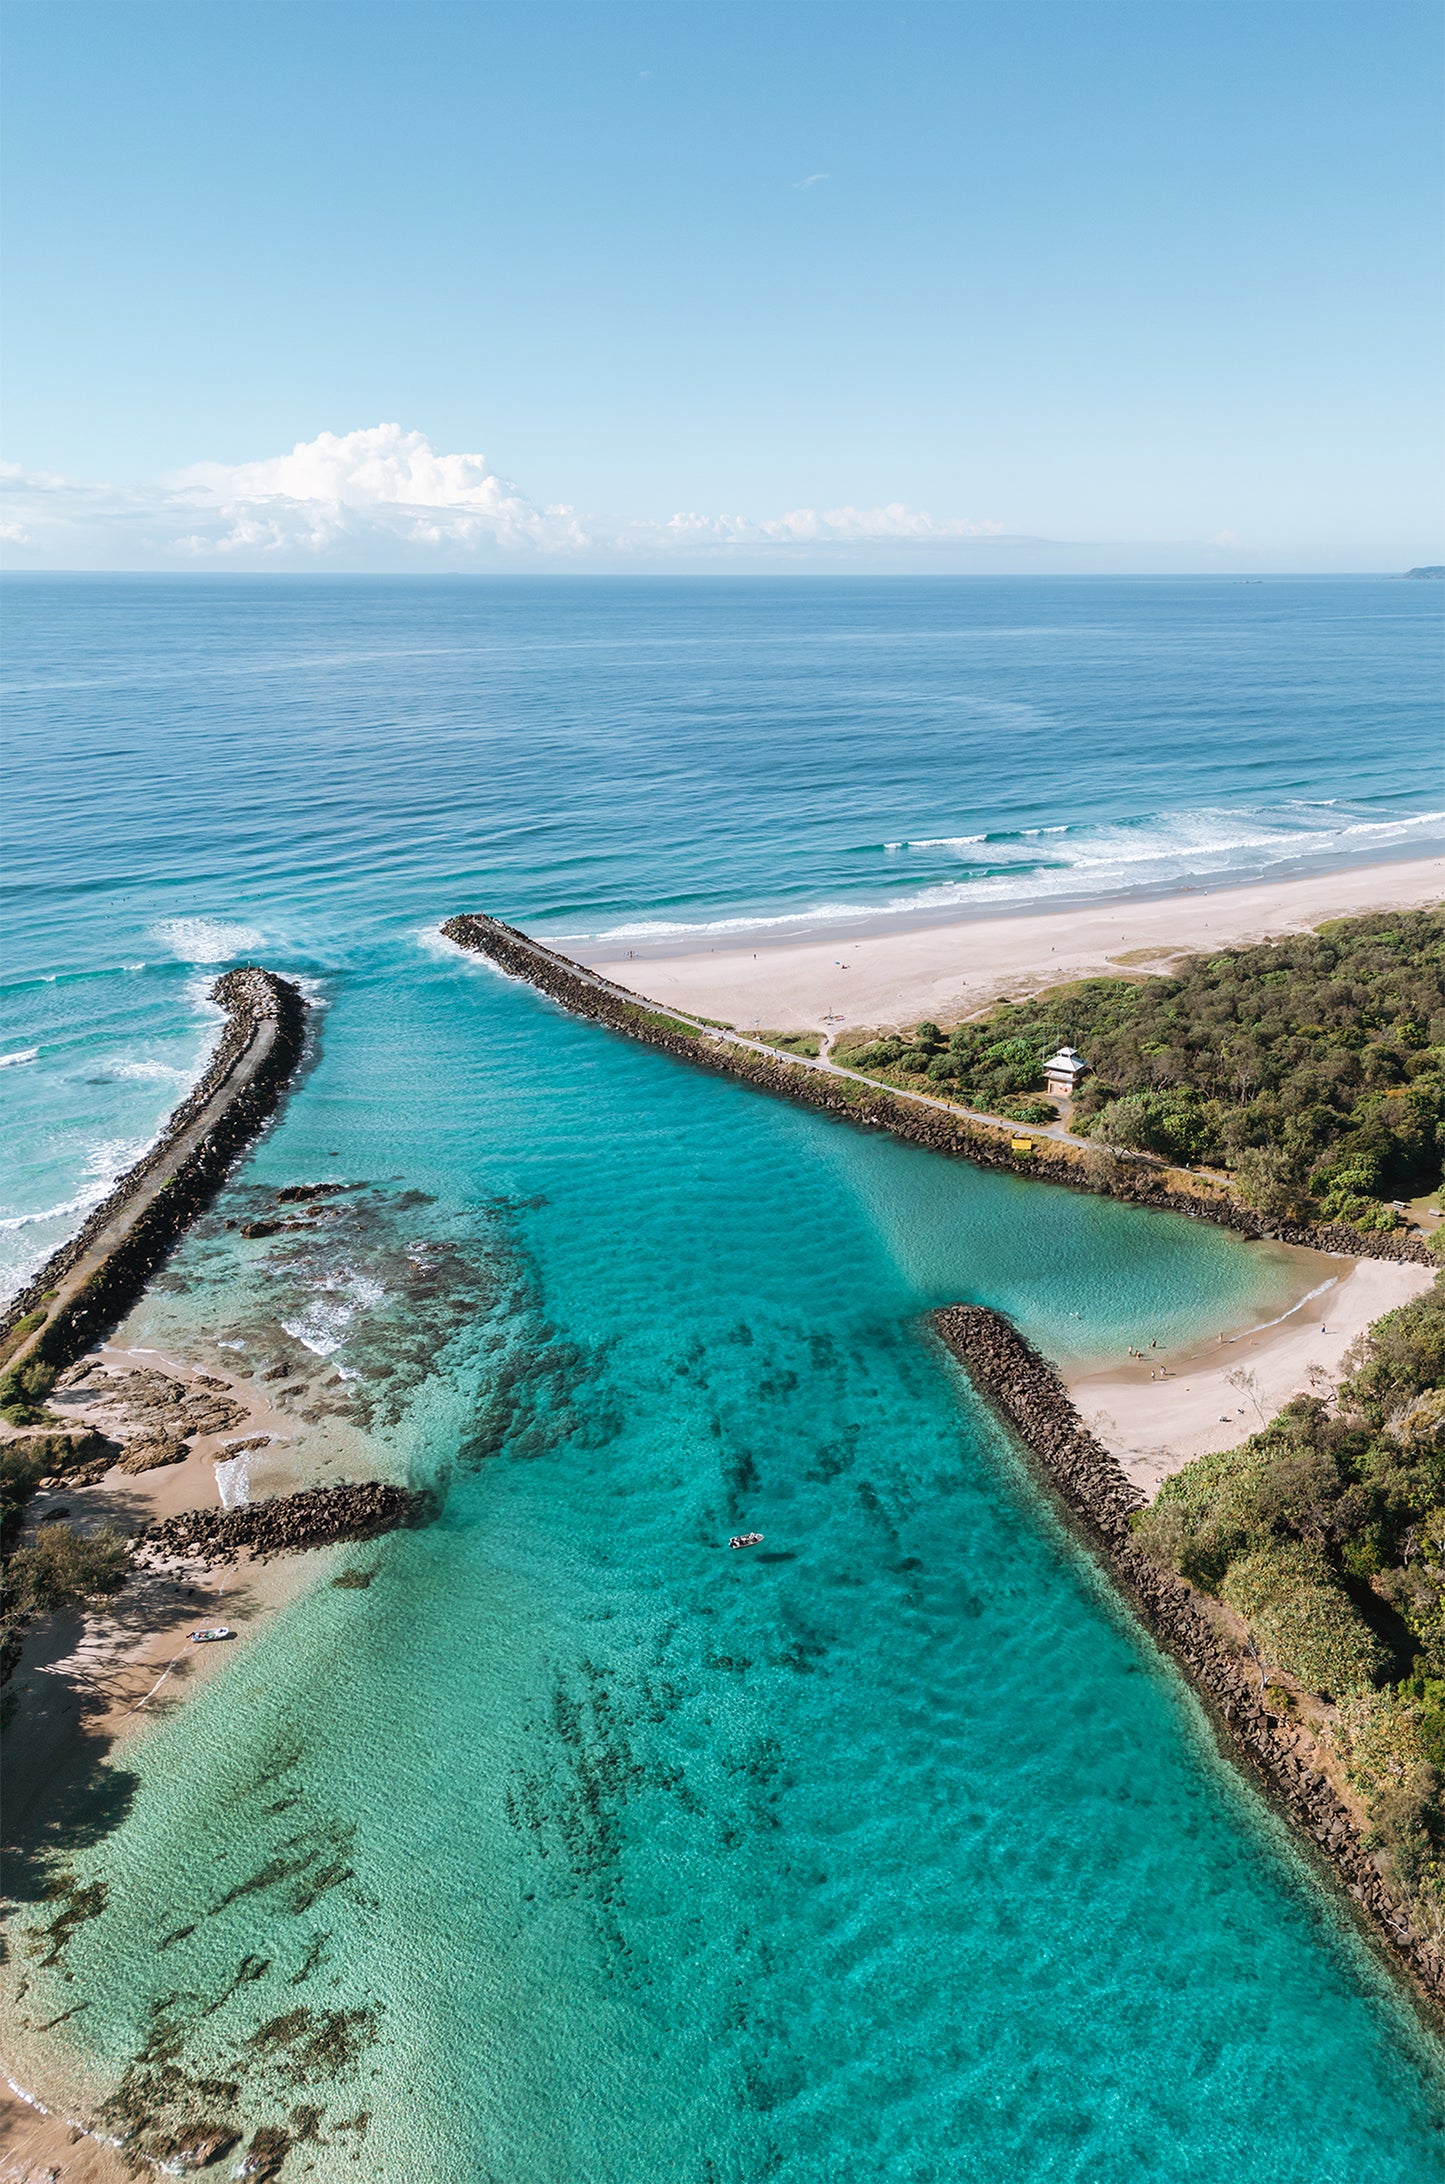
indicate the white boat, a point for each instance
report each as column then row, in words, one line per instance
column 746, row 1539
column 209, row 1637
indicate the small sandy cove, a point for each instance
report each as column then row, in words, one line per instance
column 874, row 978
column 90, row 1681
column 869, row 976
column 1157, row 1413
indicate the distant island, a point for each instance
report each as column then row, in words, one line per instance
column 1436, row 570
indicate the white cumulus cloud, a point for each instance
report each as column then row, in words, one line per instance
column 380, row 482
column 385, row 498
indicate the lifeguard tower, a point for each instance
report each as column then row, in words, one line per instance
column 1064, row 1072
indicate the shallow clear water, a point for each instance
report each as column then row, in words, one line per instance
column 591, row 1849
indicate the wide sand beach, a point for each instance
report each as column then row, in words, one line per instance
column 1158, row 1413
column 869, row 973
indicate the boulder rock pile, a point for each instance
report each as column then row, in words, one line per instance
column 317, row 1516
column 1139, row 1181
column 1026, row 1391
column 79, row 1457
column 93, row 1279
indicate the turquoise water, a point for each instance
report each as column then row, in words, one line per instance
column 584, row 1848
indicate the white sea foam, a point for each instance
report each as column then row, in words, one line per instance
column 105, row 1164
column 197, row 990
column 941, row 841
column 107, row 1161
column 1307, row 1298
column 434, row 942
column 1044, row 864
column 21, row 1054
column 207, row 940
column 52, row 1213
column 233, row 1480
column 326, row 1321
column 151, row 1072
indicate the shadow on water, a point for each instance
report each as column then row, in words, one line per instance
column 61, row 1797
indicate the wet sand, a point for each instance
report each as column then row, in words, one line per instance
column 875, row 973
column 1217, row 1394
column 91, row 1680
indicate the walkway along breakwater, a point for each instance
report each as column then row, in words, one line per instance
column 1028, row 1395
column 939, row 1124
column 94, row 1279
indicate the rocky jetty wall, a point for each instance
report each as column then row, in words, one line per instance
column 92, row 1281
column 317, row 1516
column 1135, row 1179
column 1023, row 1388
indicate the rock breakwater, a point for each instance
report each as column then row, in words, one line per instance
column 1136, row 1179
column 1023, row 1388
column 91, row 1281
column 317, row 1516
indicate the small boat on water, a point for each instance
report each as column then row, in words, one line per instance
column 209, row 1637
column 746, row 1539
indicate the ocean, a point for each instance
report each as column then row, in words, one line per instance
column 572, row 1846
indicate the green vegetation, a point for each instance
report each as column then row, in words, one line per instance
column 23, row 1391
column 64, row 1567
column 973, row 1065
column 23, row 1328
column 1326, row 1533
column 23, row 1464
column 1313, row 1069
column 656, row 1021
column 792, row 1042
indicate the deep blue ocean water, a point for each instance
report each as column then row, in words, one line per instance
column 596, row 1851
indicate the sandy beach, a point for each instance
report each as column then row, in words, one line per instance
column 90, row 1681
column 87, row 1679
column 869, row 975
column 1216, row 1395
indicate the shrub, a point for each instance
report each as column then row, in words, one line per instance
column 1268, row 1181
column 22, row 1467
column 23, row 1391
column 65, row 1566
column 1310, row 1046
column 1303, row 1619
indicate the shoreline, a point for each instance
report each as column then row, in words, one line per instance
column 1030, row 1399
column 1154, row 1426
column 874, row 975
column 1048, row 1154
column 94, row 1680
column 91, row 1281
column 91, row 1682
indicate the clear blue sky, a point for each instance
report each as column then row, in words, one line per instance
column 1119, row 270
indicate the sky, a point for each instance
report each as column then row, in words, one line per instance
column 1048, row 285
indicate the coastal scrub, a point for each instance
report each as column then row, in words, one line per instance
column 1311, row 1068
column 1325, row 1532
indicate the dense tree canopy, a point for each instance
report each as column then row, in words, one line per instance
column 1326, row 1532
column 1313, row 1067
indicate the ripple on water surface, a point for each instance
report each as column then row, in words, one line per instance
column 562, row 1841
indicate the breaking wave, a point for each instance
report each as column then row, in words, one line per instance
column 1046, row 864
column 207, row 940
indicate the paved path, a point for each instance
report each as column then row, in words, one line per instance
column 805, row 1061
column 256, row 1013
